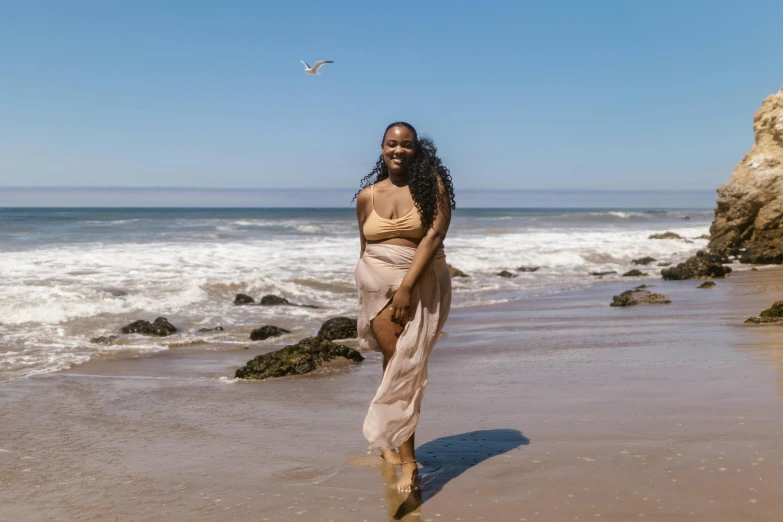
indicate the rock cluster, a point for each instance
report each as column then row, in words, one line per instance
column 703, row 265
column 296, row 359
column 160, row 327
column 749, row 213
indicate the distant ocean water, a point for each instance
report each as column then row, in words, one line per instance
column 68, row 274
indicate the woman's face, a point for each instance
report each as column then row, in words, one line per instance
column 398, row 149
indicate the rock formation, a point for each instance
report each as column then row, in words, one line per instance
column 243, row 299
column 703, row 265
column 638, row 296
column 773, row 314
column 750, row 206
column 302, row 357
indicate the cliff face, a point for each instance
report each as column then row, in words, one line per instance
column 750, row 206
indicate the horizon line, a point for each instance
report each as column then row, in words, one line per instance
column 152, row 187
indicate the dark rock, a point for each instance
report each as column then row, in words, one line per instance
column 528, row 268
column 707, row 284
column 506, row 274
column 104, row 339
column 664, row 264
column 601, row 274
column 215, row 329
column 635, row 297
column 338, row 328
column 267, row 331
column 307, row 306
column 456, row 272
column 160, row 327
column 640, row 287
column 643, row 260
column 754, row 269
column 685, row 217
column 242, row 299
column 703, row 265
column 666, row 235
column 634, row 273
column 116, row 292
column 296, row 359
column 273, row 300
column 773, row 314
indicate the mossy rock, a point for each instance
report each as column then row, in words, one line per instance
column 267, row 331
column 643, row 261
column 297, row 359
column 707, row 284
column 105, row 340
column 338, row 328
column 506, row 274
column 773, row 314
column 636, row 297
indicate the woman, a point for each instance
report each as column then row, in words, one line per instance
column 404, row 209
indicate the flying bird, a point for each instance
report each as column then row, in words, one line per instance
column 314, row 69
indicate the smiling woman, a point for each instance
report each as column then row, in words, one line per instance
column 404, row 211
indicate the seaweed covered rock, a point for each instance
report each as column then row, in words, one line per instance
column 528, row 268
column 296, row 359
column 666, row 235
column 506, row 274
column 643, row 261
column 703, row 265
column 601, row 274
column 707, row 284
column 267, row 331
column 273, row 300
column 749, row 215
column 160, row 327
column 773, row 314
column 638, row 296
column 338, row 328
column 456, row 272
column 243, row 299
column 634, row 273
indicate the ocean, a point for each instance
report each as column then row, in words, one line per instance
column 68, row 275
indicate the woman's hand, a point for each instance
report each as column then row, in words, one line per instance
column 401, row 306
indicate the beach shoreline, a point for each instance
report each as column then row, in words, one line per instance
column 549, row 408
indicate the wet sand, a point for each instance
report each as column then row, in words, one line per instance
column 556, row 408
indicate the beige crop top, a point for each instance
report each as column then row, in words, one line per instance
column 377, row 228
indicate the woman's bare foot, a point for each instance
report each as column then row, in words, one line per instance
column 390, row 456
column 409, row 478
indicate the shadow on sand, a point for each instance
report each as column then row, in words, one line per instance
column 446, row 458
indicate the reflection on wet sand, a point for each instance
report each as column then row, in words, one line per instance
column 444, row 459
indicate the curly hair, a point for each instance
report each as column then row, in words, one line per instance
column 425, row 170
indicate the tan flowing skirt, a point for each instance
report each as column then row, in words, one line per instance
column 394, row 411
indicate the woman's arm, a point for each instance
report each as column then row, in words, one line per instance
column 361, row 216
column 425, row 252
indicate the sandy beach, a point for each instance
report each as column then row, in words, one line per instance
column 554, row 408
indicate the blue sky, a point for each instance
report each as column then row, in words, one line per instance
column 518, row 95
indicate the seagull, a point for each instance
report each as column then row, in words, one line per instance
column 314, row 69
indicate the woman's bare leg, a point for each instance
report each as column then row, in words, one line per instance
column 386, row 333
